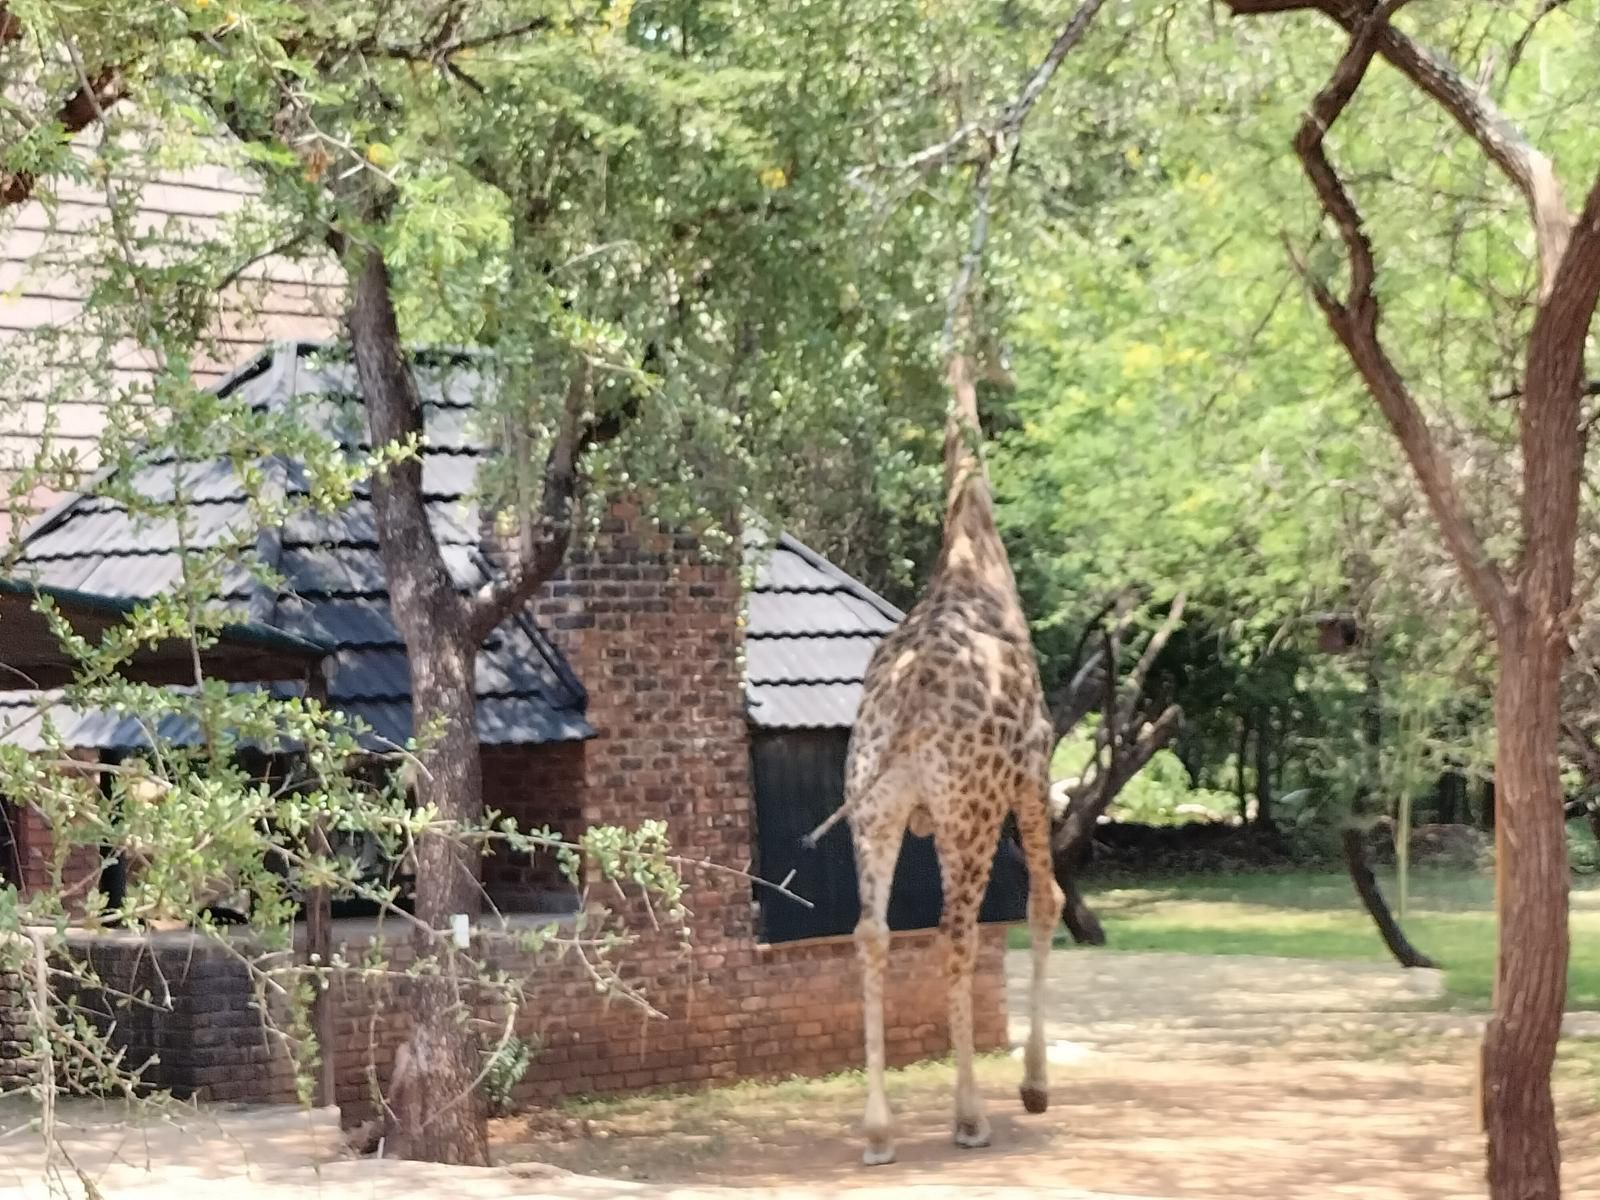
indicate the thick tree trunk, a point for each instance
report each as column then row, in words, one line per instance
column 438, row 1114
column 1355, row 859
column 1531, row 887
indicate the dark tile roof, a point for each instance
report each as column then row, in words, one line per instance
column 334, row 589
column 811, row 628
column 32, row 657
column 811, row 631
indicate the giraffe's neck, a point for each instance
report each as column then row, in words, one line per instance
column 972, row 556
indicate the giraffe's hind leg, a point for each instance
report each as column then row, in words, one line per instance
column 877, row 851
column 1044, row 910
column 963, row 894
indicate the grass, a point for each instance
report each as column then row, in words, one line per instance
column 1302, row 914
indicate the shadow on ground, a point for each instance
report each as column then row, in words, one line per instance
column 1181, row 1077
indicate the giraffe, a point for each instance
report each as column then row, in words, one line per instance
column 953, row 735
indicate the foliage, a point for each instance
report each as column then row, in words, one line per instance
column 509, row 1061
column 1161, row 794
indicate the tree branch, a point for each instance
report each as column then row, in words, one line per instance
column 1072, row 703
column 1528, row 169
column 1584, row 747
column 1520, row 47
column 1087, row 801
column 1152, row 651
column 1551, row 416
column 1016, row 113
column 1355, row 322
column 76, row 113
column 441, row 50
column 1006, row 126
column 543, row 537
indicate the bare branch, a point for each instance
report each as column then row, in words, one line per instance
column 1520, row 47
column 1528, row 169
column 1091, row 797
column 1072, row 703
column 1003, row 130
column 1584, row 746
column 441, row 50
column 1016, row 113
column 1152, row 651
column 544, row 536
column 1355, row 321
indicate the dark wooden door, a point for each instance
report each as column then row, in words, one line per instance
column 798, row 779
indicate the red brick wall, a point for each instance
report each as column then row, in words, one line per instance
column 30, row 855
column 742, row 1012
column 653, row 632
column 736, row 1012
column 538, row 786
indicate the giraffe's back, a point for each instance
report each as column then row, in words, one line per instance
column 952, row 710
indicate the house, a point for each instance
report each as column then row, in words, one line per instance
column 641, row 682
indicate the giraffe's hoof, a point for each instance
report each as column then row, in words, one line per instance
column 1035, row 1099
column 972, row 1134
column 878, row 1156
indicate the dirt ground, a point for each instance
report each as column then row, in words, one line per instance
column 1174, row 1078
column 1177, row 1077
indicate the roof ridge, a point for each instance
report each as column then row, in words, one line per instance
column 788, row 541
column 58, row 511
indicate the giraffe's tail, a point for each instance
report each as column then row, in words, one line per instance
column 809, row 842
column 903, row 749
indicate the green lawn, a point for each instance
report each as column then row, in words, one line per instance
column 1317, row 915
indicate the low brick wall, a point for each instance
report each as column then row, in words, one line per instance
column 16, row 1034
column 736, row 1012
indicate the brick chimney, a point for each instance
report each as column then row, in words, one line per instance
column 652, row 629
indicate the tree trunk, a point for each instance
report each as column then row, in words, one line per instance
column 1071, row 840
column 1531, row 887
column 1080, row 920
column 1452, row 790
column 438, row 1115
column 1264, row 768
column 1355, row 859
column 1241, row 789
